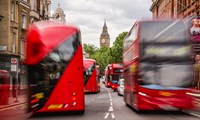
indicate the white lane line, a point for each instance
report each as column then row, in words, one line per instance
column 194, row 114
column 109, row 93
column 110, row 109
column 106, row 116
column 112, row 115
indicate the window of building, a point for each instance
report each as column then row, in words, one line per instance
column 14, row 43
column 189, row 1
column 22, row 50
column 12, row 11
column 24, row 21
column 184, row 4
column 33, row 4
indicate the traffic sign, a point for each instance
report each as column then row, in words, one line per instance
column 14, row 60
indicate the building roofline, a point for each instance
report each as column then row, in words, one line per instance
column 153, row 4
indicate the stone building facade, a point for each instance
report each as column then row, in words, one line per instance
column 13, row 25
column 59, row 15
column 171, row 9
column 16, row 16
column 40, row 10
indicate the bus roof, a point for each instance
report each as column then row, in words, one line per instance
column 117, row 65
column 43, row 37
column 88, row 62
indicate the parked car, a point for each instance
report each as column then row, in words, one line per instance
column 120, row 87
column 103, row 79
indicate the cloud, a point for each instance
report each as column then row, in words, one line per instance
column 89, row 16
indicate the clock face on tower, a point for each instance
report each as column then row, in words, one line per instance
column 103, row 40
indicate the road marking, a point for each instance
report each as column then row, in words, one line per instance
column 194, row 114
column 109, row 93
column 191, row 113
column 110, row 109
column 112, row 115
column 106, row 116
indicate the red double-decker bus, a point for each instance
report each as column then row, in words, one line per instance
column 107, row 73
column 158, row 66
column 55, row 68
column 112, row 75
column 116, row 72
column 91, row 76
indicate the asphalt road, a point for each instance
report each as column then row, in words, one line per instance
column 106, row 105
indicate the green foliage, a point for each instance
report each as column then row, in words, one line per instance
column 104, row 55
column 90, row 49
column 117, row 48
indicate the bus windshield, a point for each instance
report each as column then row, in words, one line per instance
column 88, row 72
column 115, row 78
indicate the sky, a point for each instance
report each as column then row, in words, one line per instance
column 89, row 16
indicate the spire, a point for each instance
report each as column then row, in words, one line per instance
column 104, row 26
column 104, row 30
column 58, row 4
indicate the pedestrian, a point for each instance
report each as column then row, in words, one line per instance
column 14, row 89
column 194, row 30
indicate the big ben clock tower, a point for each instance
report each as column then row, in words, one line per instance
column 104, row 38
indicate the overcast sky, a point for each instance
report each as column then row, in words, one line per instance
column 89, row 16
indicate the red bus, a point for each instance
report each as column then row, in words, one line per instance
column 91, row 76
column 158, row 66
column 55, row 68
column 116, row 72
column 107, row 73
column 112, row 75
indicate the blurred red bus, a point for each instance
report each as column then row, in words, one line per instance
column 91, row 76
column 157, row 66
column 55, row 68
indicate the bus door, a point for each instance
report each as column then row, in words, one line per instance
column 134, row 82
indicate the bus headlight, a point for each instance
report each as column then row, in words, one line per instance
column 74, row 103
column 143, row 94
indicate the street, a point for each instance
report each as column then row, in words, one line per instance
column 107, row 105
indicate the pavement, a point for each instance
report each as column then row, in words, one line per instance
column 10, row 98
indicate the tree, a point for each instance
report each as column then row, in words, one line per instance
column 105, row 55
column 117, row 48
column 90, row 49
